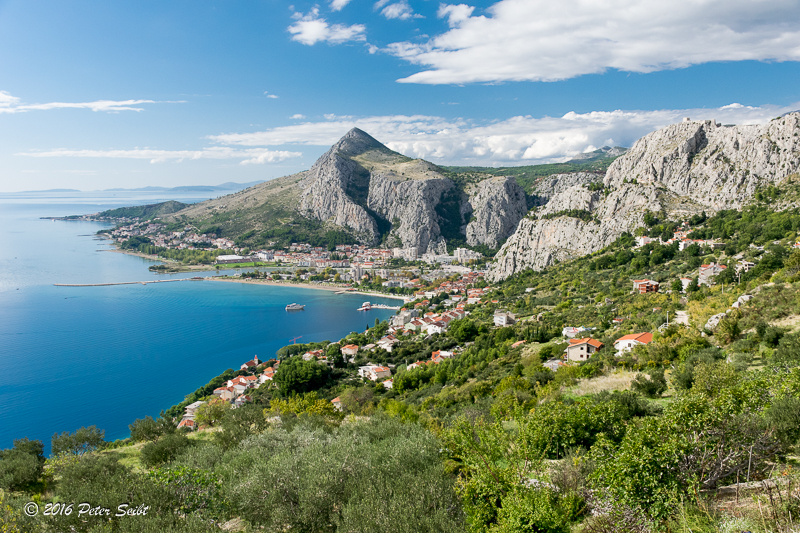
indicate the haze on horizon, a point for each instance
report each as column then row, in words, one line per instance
column 131, row 94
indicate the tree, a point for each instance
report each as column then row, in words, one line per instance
column 463, row 330
column 677, row 285
column 144, row 429
column 85, row 439
column 296, row 376
column 21, row 465
column 164, row 450
column 212, row 412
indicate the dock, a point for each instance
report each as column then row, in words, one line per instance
column 121, row 283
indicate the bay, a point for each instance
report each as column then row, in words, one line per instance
column 77, row 356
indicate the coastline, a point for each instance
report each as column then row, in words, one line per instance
column 305, row 286
column 207, row 268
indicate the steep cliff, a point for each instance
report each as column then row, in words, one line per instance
column 494, row 208
column 678, row 170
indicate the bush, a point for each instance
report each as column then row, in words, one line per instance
column 164, row 450
column 21, row 465
column 652, row 387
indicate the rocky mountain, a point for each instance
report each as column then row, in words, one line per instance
column 678, row 170
column 493, row 208
column 364, row 189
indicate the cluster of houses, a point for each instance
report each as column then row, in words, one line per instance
column 233, row 391
column 581, row 349
column 682, row 238
column 186, row 239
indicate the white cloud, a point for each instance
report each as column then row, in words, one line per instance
column 248, row 156
column 338, row 5
column 297, row 116
column 268, row 95
column 310, row 29
column 537, row 40
column 11, row 104
column 398, row 10
column 455, row 14
column 517, row 140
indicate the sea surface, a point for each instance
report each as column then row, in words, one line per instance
column 104, row 356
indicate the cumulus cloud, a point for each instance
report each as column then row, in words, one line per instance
column 455, row 14
column 12, row 104
column 538, row 40
column 514, row 141
column 338, row 5
column 310, row 29
column 397, row 10
column 248, row 156
column 268, row 95
column 297, row 116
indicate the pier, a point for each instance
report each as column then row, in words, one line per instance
column 122, row 283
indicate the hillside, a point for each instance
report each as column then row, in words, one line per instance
column 144, row 212
column 359, row 190
column 482, row 427
column 678, row 171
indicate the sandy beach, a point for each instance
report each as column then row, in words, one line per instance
column 305, row 286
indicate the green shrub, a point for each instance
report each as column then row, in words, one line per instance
column 164, row 449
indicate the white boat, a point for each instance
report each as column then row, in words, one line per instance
column 366, row 306
column 295, row 307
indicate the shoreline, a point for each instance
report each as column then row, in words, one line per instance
column 207, row 268
column 305, row 286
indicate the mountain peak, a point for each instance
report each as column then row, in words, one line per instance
column 356, row 142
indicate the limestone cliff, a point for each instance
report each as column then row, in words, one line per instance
column 494, row 207
column 382, row 195
column 678, row 170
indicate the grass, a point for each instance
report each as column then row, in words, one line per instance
column 620, row 380
column 128, row 455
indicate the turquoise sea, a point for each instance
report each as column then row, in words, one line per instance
column 76, row 356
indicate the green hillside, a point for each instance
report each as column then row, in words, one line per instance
column 144, row 212
column 491, row 440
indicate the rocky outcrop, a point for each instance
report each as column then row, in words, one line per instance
column 678, row 170
column 547, row 187
column 362, row 185
column 494, row 208
column 719, row 166
column 324, row 191
column 410, row 207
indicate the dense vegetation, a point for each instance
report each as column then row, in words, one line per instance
column 490, row 440
column 144, row 212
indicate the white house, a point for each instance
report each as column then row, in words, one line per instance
column 503, row 318
column 374, row 372
column 628, row 342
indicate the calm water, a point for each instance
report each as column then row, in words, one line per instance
column 71, row 357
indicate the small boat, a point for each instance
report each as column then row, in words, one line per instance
column 366, row 306
column 295, row 307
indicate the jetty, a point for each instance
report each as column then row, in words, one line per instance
column 123, row 283
column 366, row 306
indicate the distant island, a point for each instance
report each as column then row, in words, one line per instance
column 227, row 186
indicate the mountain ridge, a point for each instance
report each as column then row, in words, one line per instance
column 678, row 170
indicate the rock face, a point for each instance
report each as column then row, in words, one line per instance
column 495, row 207
column 324, row 190
column 550, row 186
column 719, row 165
column 680, row 169
column 410, row 207
column 382, row 195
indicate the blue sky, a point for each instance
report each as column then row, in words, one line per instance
column 98, row 94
